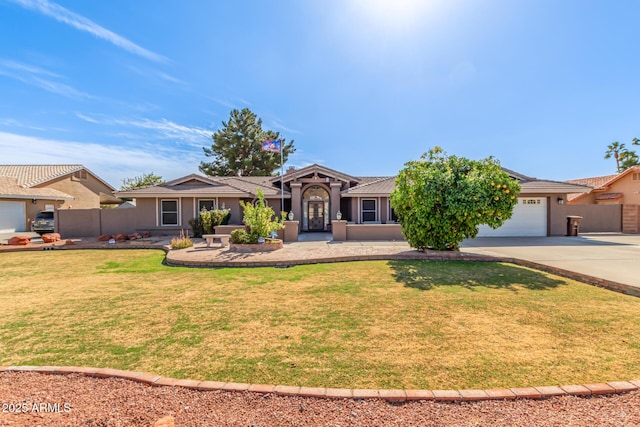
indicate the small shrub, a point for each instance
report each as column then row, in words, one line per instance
column 196, row 227
column 181, row 242
column 242, row 237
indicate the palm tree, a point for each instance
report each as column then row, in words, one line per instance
column 628, row 159
column 615, row 149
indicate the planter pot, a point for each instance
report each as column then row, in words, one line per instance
column 274, row 245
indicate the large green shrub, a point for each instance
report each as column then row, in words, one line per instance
column 259, row 219
column 440, row 200
column 207, row 220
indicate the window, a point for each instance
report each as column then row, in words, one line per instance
column 206, row 204
column 636, row 176
column 392, row 214
column 368, row 210
column 530, row 201
column 169, row 212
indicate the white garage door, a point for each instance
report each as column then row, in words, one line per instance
column 12, row 217
column 529, row 219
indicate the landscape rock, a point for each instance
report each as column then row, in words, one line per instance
column 121, row 236
column 50, row 237
column 19, row 241
column 105, row 237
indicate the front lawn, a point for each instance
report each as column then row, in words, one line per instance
column 424, row 325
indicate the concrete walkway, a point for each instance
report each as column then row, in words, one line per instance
column 309, row 252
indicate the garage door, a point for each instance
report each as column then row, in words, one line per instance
column 12, row 217
column 529, row 219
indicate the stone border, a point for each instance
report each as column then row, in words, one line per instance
column 397, row 395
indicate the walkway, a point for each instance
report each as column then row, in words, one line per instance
column 310, row 252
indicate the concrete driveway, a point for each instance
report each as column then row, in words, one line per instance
column 614, row 257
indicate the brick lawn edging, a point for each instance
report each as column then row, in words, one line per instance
column 398, row 395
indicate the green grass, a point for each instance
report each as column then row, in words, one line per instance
column 376, row 324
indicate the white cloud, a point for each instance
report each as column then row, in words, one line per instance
column 18, row 66
column 278, row 125
column 32, row 75
column 109, row 162
column 162, row 129
column 81, row 23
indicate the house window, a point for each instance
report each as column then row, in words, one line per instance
column 392, row 214
column 80, row 175
column 636, row 176
column 169, row 212
column 206, row 204
column 369, row 210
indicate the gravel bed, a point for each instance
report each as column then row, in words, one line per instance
column 86, row 401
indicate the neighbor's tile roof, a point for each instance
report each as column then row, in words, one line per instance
column 9, row 188
column 595, row 182
column 32, row 175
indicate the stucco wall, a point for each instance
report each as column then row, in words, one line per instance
column 86, row 192
column 374, row 232
column 78, row 222
column 236, row 210
column 597, row 218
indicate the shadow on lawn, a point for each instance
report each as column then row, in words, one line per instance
column 426, row 275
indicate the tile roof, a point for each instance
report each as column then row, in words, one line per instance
column 32, row 175
column 195, row 185
column 596, row 182
column 372, row 186
column 600, row 183
column 250, row 184
column 9, row 188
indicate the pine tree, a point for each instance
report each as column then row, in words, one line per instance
column 237, row 148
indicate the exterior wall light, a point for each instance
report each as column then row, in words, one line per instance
column 560, row 201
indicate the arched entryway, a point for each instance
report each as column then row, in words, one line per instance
column 315, row 208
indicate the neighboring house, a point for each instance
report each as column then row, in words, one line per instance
column 26, row 190
column 316, row 193
column 621, row 188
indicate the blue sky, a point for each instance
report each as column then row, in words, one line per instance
column 362, row 86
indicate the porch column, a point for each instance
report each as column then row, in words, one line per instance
column 335, row 199
column 296, row 201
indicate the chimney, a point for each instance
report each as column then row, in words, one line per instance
column 290, row 169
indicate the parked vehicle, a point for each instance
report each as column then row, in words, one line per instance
column 43, row 223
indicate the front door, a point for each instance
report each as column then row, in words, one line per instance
column 316, row 216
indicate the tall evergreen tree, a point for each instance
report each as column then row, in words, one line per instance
column 237, row 148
